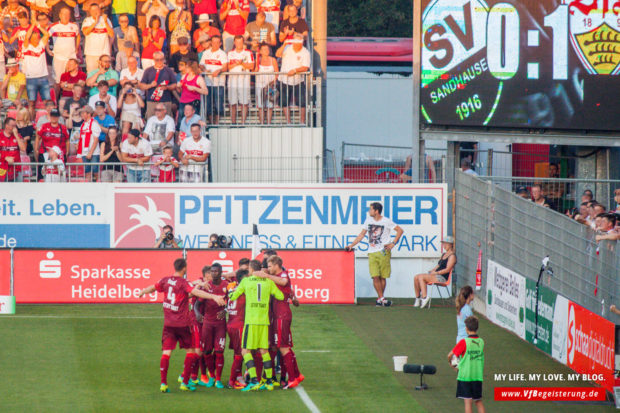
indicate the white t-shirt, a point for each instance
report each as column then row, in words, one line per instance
column 140, row 150
column 158, row 130
column 64, row 36
column 292, row 60
column 53, row 169
column 244, row 56
column 97, row 43
column 34, row 64
column 126, row 74
column 95, row 98
column 89, row 132
column 214, row 61
column 378, row 232
column 193, row 148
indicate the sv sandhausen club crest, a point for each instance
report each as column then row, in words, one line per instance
column 595, row 34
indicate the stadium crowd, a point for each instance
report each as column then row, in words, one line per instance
column 124, row 81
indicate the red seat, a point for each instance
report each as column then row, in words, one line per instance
column 75, row 173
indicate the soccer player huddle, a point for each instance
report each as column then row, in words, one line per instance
column 256, row 299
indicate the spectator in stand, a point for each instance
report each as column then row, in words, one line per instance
column 122, row 9
column 35, row 66
column 293, row 25
column 66, row 36
column 259, row 31
column 18, row 34
column 155, row 8
column 74, row 123
column 76, row 97
column 159, row 129
column 206, row 8
column 267, row 69
column 52, row 134
column 192, row 86
column 12, row 10
column 466, row 167
column 295, row 60
column 608, row 228
column 125, row 32
column 131, row 75
column 57, row 6
column 617, row 200
column 553, row 190
column 215, row 61
column 130, row 105
column 184, row 53
column 39, row 6
column 104, row 72
column 271, row 10
column 152, row 41
column 429, row 174
column 54, row 167
column 234, row 14
column 189, row 118
column 25, row 128
column 10, row 146
column 240, row 60
column 301, row 8
column 204, row 32
column 71, row 77
column 111, row 153
column 587, row 195
column 13, row 85
column 103, row 95
column 104, row 120
column 157, row 81
column 194, row 153
column 88, row 145
column 98, row 36
column 137, row 151
column 166, row 165
column 122, row 58
column 179, row 25
column 7, row 50
column 537, row 196
column 45, row 117
column 523, row 193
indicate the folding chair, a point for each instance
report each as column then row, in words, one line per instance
column 438, row 286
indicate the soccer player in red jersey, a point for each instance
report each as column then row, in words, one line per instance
column 197, row 320
column 214, row 327
column 177, row 320
column 234, row 327
column 282, row 318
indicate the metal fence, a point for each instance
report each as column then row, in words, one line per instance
column 289, row 169
column 517, row 233
column 382, row 163
column 261, row 99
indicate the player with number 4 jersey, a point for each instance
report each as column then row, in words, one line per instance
column 177, row 320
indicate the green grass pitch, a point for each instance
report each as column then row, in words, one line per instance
column 105, row 358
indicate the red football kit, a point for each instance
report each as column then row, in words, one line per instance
column 214, row 330
column 8, row 147
column 53, row 136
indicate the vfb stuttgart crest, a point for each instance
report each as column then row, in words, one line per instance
column 595, row 34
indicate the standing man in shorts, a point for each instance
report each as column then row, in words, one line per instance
column 177, row 320
column 380, row 246
column 470, row 369
column 258, row 292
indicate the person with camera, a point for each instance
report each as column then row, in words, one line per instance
column 167, row 239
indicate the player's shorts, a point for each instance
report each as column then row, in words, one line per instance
column 234, row 338
column 469, row 390
column 213, row 337
column 379, row 264
column 255, row 337
column 282, row 336
column 171, row 335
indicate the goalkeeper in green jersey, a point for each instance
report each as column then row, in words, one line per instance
column 258, row 292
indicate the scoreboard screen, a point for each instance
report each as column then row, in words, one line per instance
column 551, row 64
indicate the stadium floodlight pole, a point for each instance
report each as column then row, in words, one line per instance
column 544, row 267
column 417, row 156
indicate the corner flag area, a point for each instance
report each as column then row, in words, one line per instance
column 105, row 358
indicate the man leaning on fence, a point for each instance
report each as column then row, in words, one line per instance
column 194, row 152
column 136, row 151
column 295, row 60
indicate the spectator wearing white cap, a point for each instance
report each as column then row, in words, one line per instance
column 204, row 32
column 295, row 60
column 209, row 9
column 54, row 167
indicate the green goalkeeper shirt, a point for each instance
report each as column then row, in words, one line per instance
column 258, row 292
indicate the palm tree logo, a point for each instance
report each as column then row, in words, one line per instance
column 146, row 217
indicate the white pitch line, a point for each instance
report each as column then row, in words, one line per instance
column 307, row 400
column 79, row 317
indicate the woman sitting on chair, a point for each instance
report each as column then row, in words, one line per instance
column 439, row 274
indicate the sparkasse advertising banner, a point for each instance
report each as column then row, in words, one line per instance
column 117, row 276
column 323, row 216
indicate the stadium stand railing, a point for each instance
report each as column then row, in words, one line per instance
column 517, row 233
